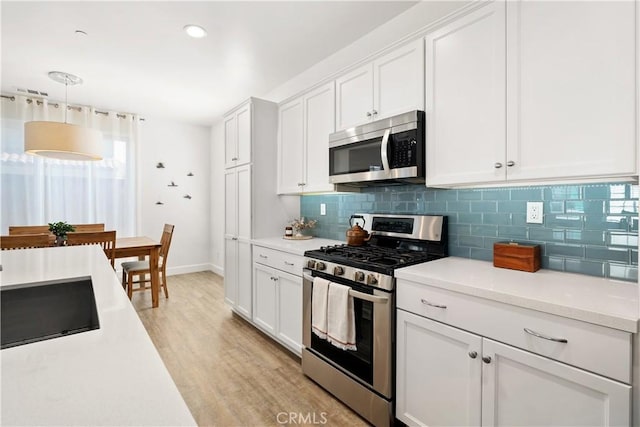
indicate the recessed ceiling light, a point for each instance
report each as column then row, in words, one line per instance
column 195, row 31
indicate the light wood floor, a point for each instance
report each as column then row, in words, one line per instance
column 229, row 373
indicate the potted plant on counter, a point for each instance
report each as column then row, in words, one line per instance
column 60, row 229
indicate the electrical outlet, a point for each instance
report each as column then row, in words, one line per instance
column 323, row 209
column 534, row 212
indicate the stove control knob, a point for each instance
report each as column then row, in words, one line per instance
column 359, row 276
column 311, row 264
column 371, row 279
column 321, row 266
column 338, row 271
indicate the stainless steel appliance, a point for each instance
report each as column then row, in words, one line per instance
column 364, row 378
column 386, row 150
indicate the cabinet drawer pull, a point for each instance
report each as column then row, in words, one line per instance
column 234, row 158
column 511, row 163
column 234, row 238
column 497, row 165
column 544, row 337
column 263, row 256
column 424, row 301
column 473, row 354
column 291, row 264
column 486, row 359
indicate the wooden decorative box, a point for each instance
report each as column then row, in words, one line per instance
column 516, row 256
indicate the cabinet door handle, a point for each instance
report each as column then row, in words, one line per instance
column 497, row 165
column 263, row 256
column 368, row 113
column 486, row 359
column 424, row 301
column 544, row 337
column 511, row 163
column 234, row 238
column 473, row 354
column 234, row 158
column 375, row 113
column 291, row 264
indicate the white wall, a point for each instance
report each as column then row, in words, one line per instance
column 183, row 148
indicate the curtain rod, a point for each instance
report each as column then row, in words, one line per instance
column 70, row 107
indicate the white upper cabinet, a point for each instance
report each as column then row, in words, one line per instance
column 354, row 97
column 571, row 86
column 398, row 81
column 392, row 84
column 465, row 91
column 303, row 146
column 564, row 108
column 320, row 121
column 237, row 136
column 291, row 147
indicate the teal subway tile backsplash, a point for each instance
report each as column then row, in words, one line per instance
column 590, row 229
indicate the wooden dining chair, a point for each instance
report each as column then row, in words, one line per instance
column 85, row 228
column 26, row 241
column 106, row 239
column 141, row 268
column 15, row 230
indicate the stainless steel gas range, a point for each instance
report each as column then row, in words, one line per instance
column 364, row 378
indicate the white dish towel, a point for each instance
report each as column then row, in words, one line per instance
column 341, row 322
column 319, row 307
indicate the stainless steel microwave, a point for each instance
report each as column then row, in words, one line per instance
column 382, row 151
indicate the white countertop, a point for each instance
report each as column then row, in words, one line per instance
column 296, row 247
column 109, row 376
column 596, row 300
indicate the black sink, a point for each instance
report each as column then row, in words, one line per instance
column 40, row 311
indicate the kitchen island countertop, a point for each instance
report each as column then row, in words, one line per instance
column 605, row 302
column 108, row 376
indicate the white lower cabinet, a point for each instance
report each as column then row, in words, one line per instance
column 437, row 383
column 448, row 376
column 264, row 312
column 237, row 289
column 277, row 301
column 522, row 388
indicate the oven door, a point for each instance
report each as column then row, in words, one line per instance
column 372, row 362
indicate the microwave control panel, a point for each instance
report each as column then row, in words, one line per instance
column 403, row 150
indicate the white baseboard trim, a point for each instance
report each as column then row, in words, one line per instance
column 184, row 269
column 216, row 269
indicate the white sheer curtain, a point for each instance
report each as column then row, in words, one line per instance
column 36, row 190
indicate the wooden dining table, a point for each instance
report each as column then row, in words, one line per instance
column 142, row 246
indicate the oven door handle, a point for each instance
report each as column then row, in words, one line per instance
column 371, row 298
column 360, row 295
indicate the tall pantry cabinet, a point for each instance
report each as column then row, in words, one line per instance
column 252, row 208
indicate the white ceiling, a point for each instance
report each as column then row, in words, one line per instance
column 136, row 58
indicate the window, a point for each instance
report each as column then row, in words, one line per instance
column 37, row 190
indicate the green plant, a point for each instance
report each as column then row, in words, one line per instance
column 61, row 228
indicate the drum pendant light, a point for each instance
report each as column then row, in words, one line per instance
column 62, row 140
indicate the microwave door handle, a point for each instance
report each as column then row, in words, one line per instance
column 383, row 150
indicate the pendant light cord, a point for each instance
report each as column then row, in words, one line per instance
column 66, row 103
